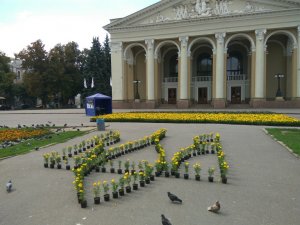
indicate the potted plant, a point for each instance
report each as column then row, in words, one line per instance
column 166, row 166
column 158, row 168
column 103, row 169
column 58, row 161
column 135, row 185
column 111, row 163
column 64, row 153
column 52, row 160
column 121, row 186
column 142, row 179
column 126, row 165
column 120, row 167
column 67, row 164
column 141, row 166
column 132, row 167
column 83, row 146
column 197, row 168
column 174, row 170
column 82, row 199
column 80, row 147
column 88, row 144
column 186, row 169
column 77, row 161
column 46, row 159
column 127, row 179
column 114, row 186
column 224, row 170
column 75, row 149
column 97, row 190
column 211, row 171
column 69, row 151
column 105, row 189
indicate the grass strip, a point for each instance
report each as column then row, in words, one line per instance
column 30, row 145
column 290, row 137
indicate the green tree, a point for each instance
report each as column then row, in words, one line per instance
column 6, row 78
column 107, row 66
column 35, row 62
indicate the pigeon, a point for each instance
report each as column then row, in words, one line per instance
column 9, row 186
column 65, row 125
column 164, row 220
column 174, row 198
column 82, row 124
column 215, row 207
column 49, row 122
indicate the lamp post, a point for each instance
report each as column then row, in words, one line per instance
column 279, row 93
column 136, row 95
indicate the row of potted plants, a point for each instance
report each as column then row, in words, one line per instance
column 98, row 156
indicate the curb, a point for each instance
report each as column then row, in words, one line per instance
column 281, row 143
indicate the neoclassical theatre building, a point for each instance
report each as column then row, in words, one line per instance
column 197, row 53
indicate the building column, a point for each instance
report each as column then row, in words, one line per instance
column 298, row 65
column 117, row 72
column 150, row 74
column 259, row 91
column 219, row 100
column 183, row 82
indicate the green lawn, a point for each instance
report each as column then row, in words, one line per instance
column 290, row 137
column 30, row 145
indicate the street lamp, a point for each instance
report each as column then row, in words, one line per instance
column 279, row 76
column 136, row 95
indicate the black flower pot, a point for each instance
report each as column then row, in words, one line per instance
column 84, row 149
column 167, row 174
column 46, row 165
column 197, row 177
column 52, row 165
column 177, row 175
column 68, row 167
column 103, row 170
column 198, row 153
column 207, row 151
column 97, row 200
column 70, row 155
column 97, row 169
column 83, row 204
column 112, row 170
column 152, row 177
column 224, row 179
column 158, row 173
column 126, row 171
column 203, row 152
column 135, row 186
column 142, row 183
column 59, row 166
column 79, row 150
column 115, row 194
column 132, row 172
column 64, row 157
column 147, row 181
column 194, row 154
column 121, row 191
column 128, row 189
column 173, row 173
column 75, row 153
column 211, row 179
column 212, row 151
column 186, row 176
column 106, row 197
column 120, row 171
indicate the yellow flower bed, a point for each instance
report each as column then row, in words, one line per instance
column 227, row 118
column 15, row 134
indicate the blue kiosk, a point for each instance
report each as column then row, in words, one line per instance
column 98, row 104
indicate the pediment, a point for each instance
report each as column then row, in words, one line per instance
column 167, row 11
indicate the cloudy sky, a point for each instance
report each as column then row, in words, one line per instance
column 59, row 21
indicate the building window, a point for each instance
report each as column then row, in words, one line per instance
column 204, row 65
column 18, row 75
column 235, row 64
column 173, row 66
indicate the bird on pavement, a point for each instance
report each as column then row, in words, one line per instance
column 164, row 220
column 9, row 186
column 174, row 198
column 65, row 125
column 215, row 207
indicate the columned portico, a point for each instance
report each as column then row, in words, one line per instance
column 215, row 54
column 219, row 98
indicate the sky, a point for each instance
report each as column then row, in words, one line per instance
column 59, row 21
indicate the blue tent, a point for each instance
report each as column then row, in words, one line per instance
column 98, row 104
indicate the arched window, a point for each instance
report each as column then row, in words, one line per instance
column 235, row 64
column 204, row 65
column 173, row 66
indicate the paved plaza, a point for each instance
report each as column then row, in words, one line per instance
column 263, row 181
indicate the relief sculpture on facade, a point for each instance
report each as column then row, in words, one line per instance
column 205, row 8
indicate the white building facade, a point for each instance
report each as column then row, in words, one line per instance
column 207, row 52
